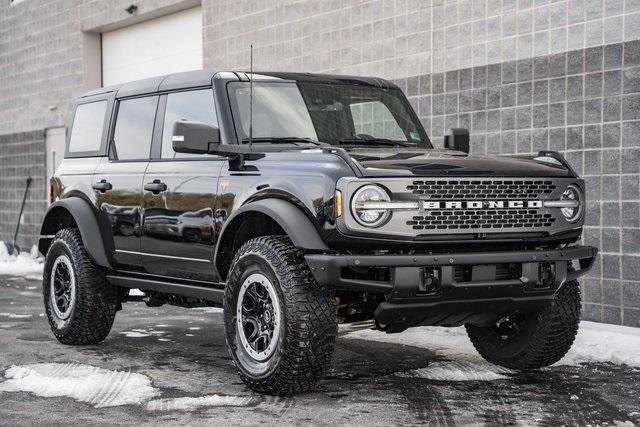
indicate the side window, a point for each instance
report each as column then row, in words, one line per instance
column 134, row 128
column 88, row 123
column 196, row 105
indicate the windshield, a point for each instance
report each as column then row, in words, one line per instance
column 333, row 113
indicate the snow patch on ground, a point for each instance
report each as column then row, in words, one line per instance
column 8, row 325
column 601, row 342
column 191, row 403
column 96, row 386
column 15, row 316
column 208, row 310
column 141, row 333
column 595, row 342
column 25, row 264
column 134, row 334
column 458, row 371
column 103, row 388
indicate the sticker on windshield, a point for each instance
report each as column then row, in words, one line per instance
column 414, row 135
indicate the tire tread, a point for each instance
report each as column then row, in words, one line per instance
column 96, row 300
column 311, row 330
column 555, row 330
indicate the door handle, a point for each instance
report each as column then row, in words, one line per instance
column 156, row 186
column 102, row 186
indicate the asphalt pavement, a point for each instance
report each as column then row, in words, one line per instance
column 183, row 353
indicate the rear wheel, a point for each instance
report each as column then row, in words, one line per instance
column 79, row 303
column 280, row 325
column 532, row 340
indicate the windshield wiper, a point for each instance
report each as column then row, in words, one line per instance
column 370, row 141
column 284, row 140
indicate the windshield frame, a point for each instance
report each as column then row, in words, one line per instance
column 424, row 143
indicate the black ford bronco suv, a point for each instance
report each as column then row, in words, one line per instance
column 299, row 201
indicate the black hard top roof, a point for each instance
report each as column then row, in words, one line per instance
column 197, row 78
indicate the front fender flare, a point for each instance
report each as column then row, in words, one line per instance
column 289, row 217
column 93, row 224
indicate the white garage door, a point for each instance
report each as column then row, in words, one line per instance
column 164, row 45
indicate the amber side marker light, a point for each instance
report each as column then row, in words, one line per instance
column 338, row 203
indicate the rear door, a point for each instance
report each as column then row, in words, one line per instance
column 179, row 232
column 118, row 179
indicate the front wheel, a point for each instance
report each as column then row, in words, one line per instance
column 533, row 340
column 280, row 325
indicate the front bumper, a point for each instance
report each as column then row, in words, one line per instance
column 470, row 287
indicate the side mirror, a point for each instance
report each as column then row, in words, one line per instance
column 195, row 137
column 457, row 139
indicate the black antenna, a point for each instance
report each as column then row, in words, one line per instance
column 251, row 97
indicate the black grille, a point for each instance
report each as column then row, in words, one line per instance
column 480, row 190
column 474, row 219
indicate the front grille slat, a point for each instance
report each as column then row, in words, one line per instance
column 496, row 189
column 474, row 219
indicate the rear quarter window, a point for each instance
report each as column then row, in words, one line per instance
column 88, row 124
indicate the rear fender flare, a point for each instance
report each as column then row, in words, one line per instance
column 93, row 224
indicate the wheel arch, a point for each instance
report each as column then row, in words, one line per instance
column 93, row 225
column 264, row 217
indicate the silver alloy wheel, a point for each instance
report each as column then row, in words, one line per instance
column 258, row 320
column 62, row 287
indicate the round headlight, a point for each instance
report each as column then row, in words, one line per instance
column 572, row 192
column 365, row 215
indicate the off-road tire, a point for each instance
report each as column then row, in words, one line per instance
column 96, row 301
column 309, row 319
column 544, row 337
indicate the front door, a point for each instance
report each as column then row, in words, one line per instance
column 179, row 198
column 118, row 179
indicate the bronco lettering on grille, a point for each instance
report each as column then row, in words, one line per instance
column 481, row 204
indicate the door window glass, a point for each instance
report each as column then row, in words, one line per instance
column 196, row 105
column 134, row 128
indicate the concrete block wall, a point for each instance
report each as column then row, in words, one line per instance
column 40, row 64
column 21, row 156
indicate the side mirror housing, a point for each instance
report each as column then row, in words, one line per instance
column 195, row 137
column 457, row 139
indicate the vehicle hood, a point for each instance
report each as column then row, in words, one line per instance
column 432, row 162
